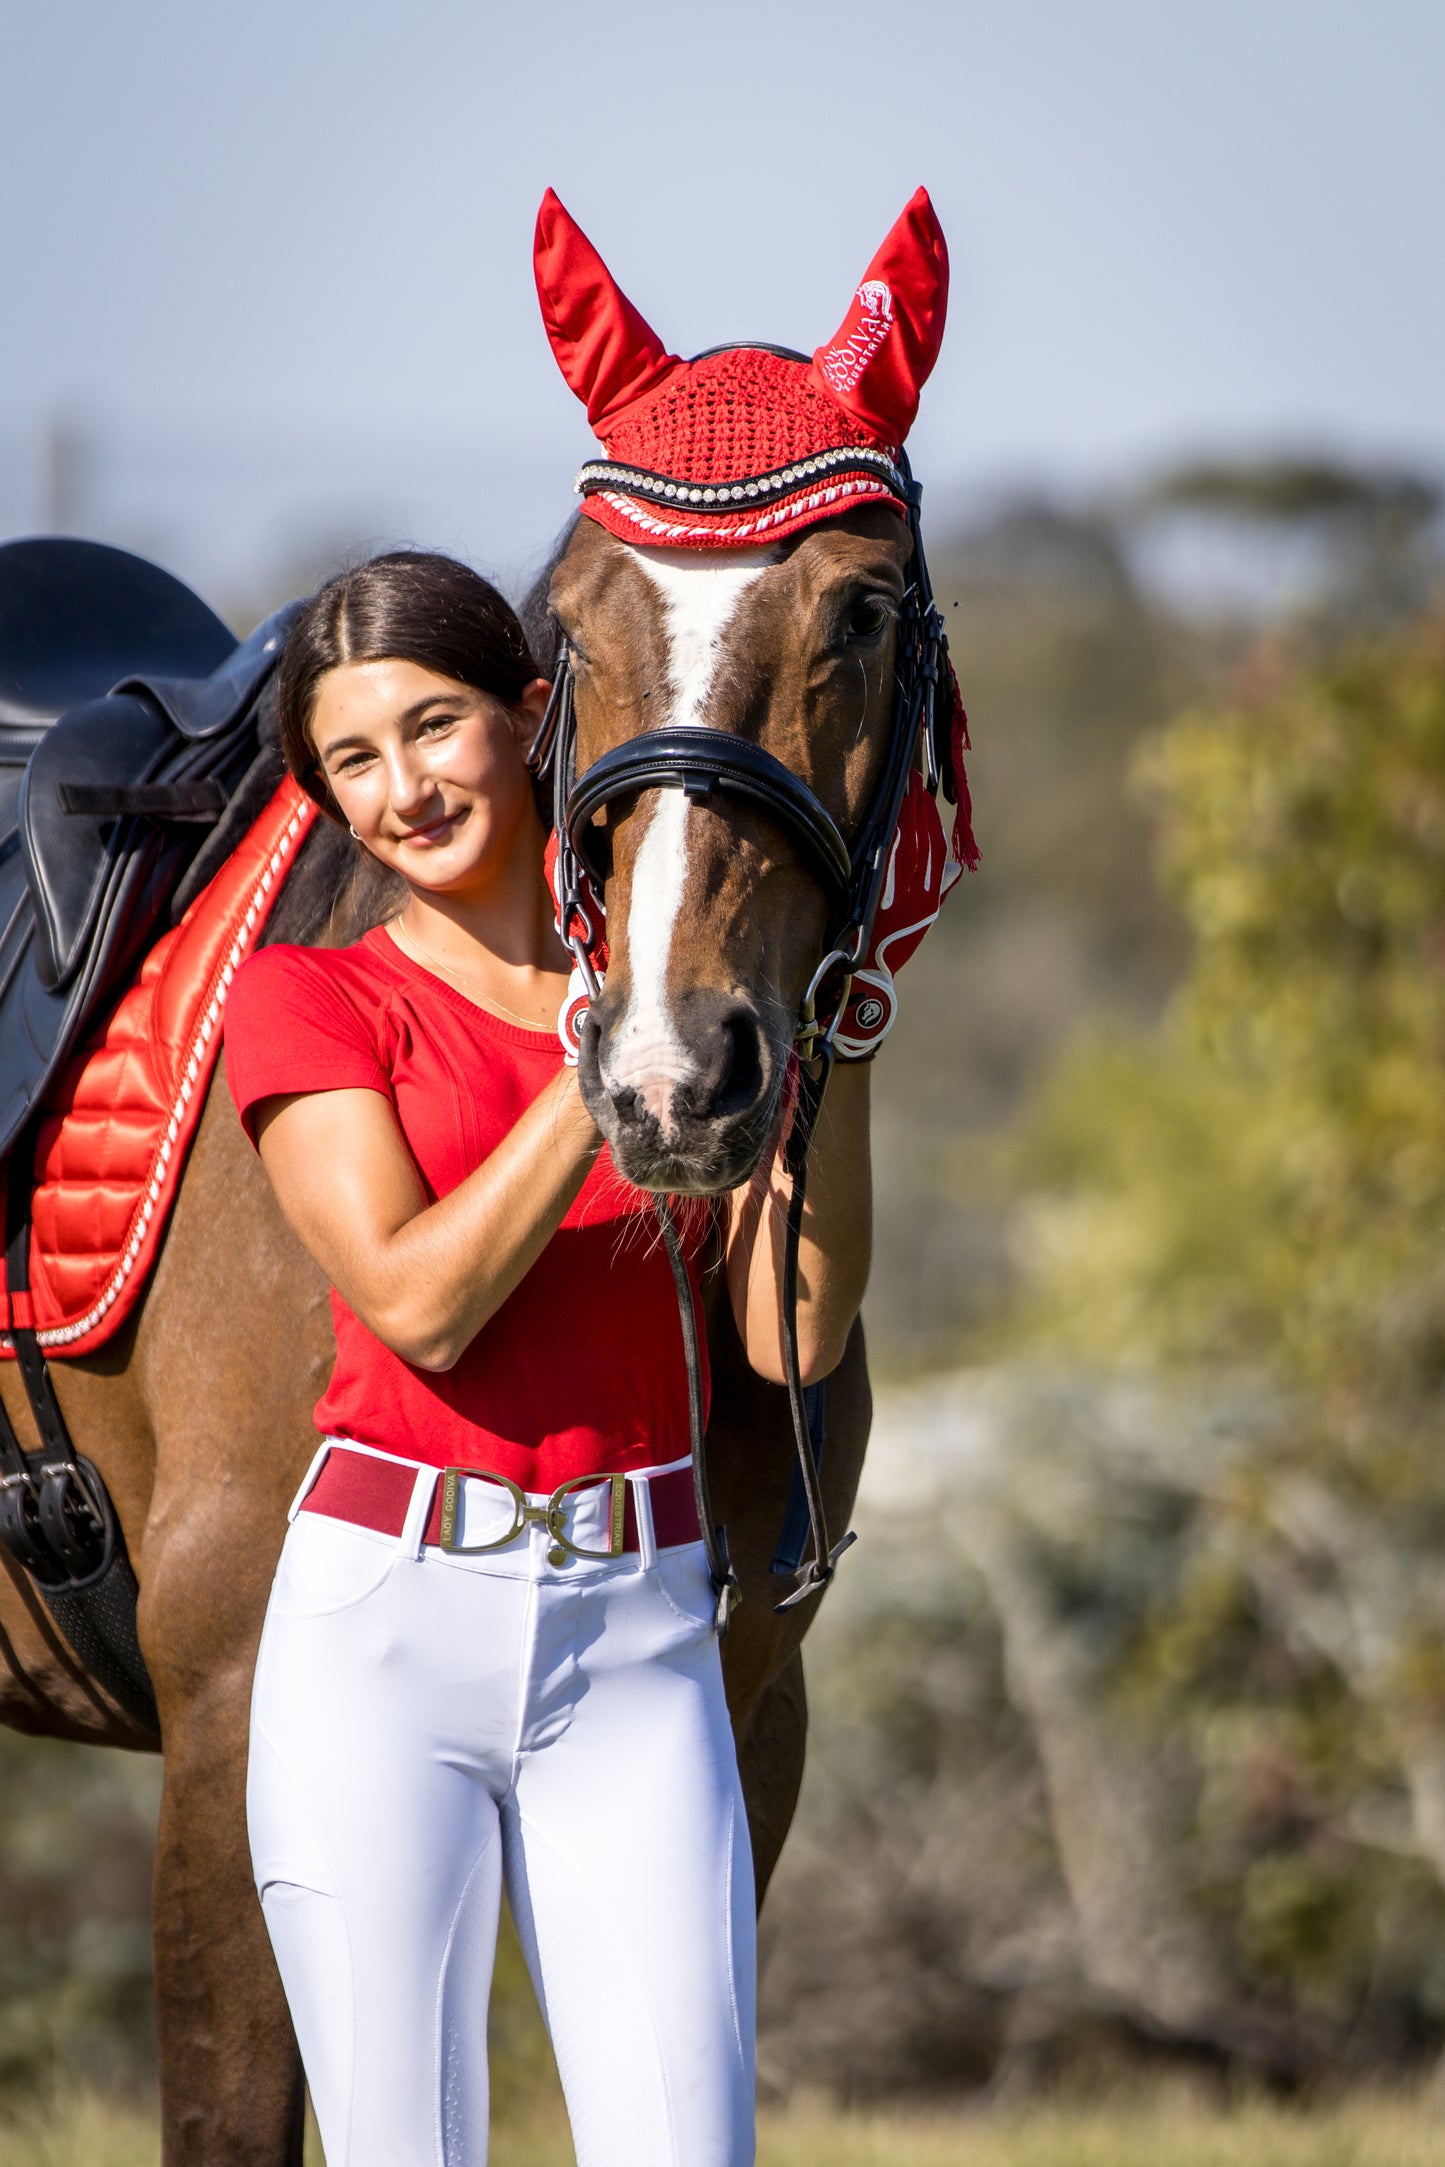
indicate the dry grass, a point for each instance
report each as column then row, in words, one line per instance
column 1362, row 2133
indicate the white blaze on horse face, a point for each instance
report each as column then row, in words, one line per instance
column 647, row 1054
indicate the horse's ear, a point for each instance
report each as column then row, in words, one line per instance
column 881, row 356
column 604, row 349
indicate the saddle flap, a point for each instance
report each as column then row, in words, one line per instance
column 207, row 707
column 69, row 856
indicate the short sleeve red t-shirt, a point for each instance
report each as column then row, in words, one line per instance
column 581, row 1371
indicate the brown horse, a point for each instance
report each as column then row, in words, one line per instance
column 198, row 1415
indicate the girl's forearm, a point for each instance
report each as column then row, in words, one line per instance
column 836, row 1245
column 451, row 1267
column 424, row 1276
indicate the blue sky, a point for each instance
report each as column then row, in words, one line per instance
column 268, row 268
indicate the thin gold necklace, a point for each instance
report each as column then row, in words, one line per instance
column 488, row 1000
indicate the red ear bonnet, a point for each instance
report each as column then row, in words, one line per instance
column 883, row 352
column 607, row 353
column 746, row 444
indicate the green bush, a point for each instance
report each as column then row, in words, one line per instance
column 1252, row 1199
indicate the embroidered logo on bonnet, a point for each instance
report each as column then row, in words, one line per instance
column 843, row 365
column 749, row 443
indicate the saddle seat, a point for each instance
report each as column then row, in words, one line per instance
column 130, row 719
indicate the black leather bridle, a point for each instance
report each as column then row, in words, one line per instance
column 704, row 763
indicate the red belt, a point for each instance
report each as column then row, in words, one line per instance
column 375, row 1493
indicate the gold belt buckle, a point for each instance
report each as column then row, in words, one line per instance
column 523, row 1514
column 452, row 1479
column 551, row 1514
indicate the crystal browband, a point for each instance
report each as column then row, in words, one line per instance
column 757, row 488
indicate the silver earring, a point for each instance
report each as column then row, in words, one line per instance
column 358, row 838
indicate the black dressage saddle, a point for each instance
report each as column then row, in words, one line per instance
column 129, row 719
column 137, row 742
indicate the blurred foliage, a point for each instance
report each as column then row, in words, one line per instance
column 1292, row 489
column 1266, row 1176
column 1255, row 1192
column 75, row 1867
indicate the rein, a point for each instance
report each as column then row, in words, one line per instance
column 701, row 763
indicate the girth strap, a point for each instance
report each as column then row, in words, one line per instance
column 69, row 1522
column 56, row 1517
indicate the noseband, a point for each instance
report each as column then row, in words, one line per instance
column 705, row 763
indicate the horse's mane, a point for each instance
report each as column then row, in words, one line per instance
column 337, row 891
column 538, row 622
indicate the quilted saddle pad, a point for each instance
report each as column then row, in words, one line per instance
column 115, row 1129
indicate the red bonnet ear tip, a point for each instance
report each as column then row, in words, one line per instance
column 920, row 208
column 550, row 212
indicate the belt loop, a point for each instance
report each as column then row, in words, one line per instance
column 308, row 1481
column 412, row 1539
column 641, row 1489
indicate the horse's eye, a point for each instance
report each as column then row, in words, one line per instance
column 867, row 618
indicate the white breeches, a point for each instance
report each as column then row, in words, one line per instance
column 426, row 1726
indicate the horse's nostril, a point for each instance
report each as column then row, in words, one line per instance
column 729, row 1047
column 714, row 1067
column 744, row 1079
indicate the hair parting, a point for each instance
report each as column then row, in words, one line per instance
column 408, row 606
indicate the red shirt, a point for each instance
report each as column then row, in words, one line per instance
column 581, row 1371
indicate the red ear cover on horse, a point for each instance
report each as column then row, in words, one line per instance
column 883, row 352
column 604, row 349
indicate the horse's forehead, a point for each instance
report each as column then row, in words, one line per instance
column 698, row 601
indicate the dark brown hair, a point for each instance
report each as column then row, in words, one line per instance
column 409, row 606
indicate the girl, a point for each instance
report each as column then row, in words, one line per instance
column 508, row 1673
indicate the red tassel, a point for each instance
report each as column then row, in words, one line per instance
column 959, row 715
column 965, row 850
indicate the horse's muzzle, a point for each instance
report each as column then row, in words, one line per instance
column 692, row 1118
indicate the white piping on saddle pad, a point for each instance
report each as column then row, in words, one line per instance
column 699, row 599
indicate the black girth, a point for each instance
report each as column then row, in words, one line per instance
column 56, row 1516
column 702, row 762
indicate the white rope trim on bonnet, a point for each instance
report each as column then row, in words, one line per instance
column 729, row 537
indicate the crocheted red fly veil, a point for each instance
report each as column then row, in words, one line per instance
column 747, row 444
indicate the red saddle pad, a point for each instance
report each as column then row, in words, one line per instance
column 112, row 1142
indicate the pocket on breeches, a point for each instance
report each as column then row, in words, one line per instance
column 685, row 1585
column 329, row 1565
